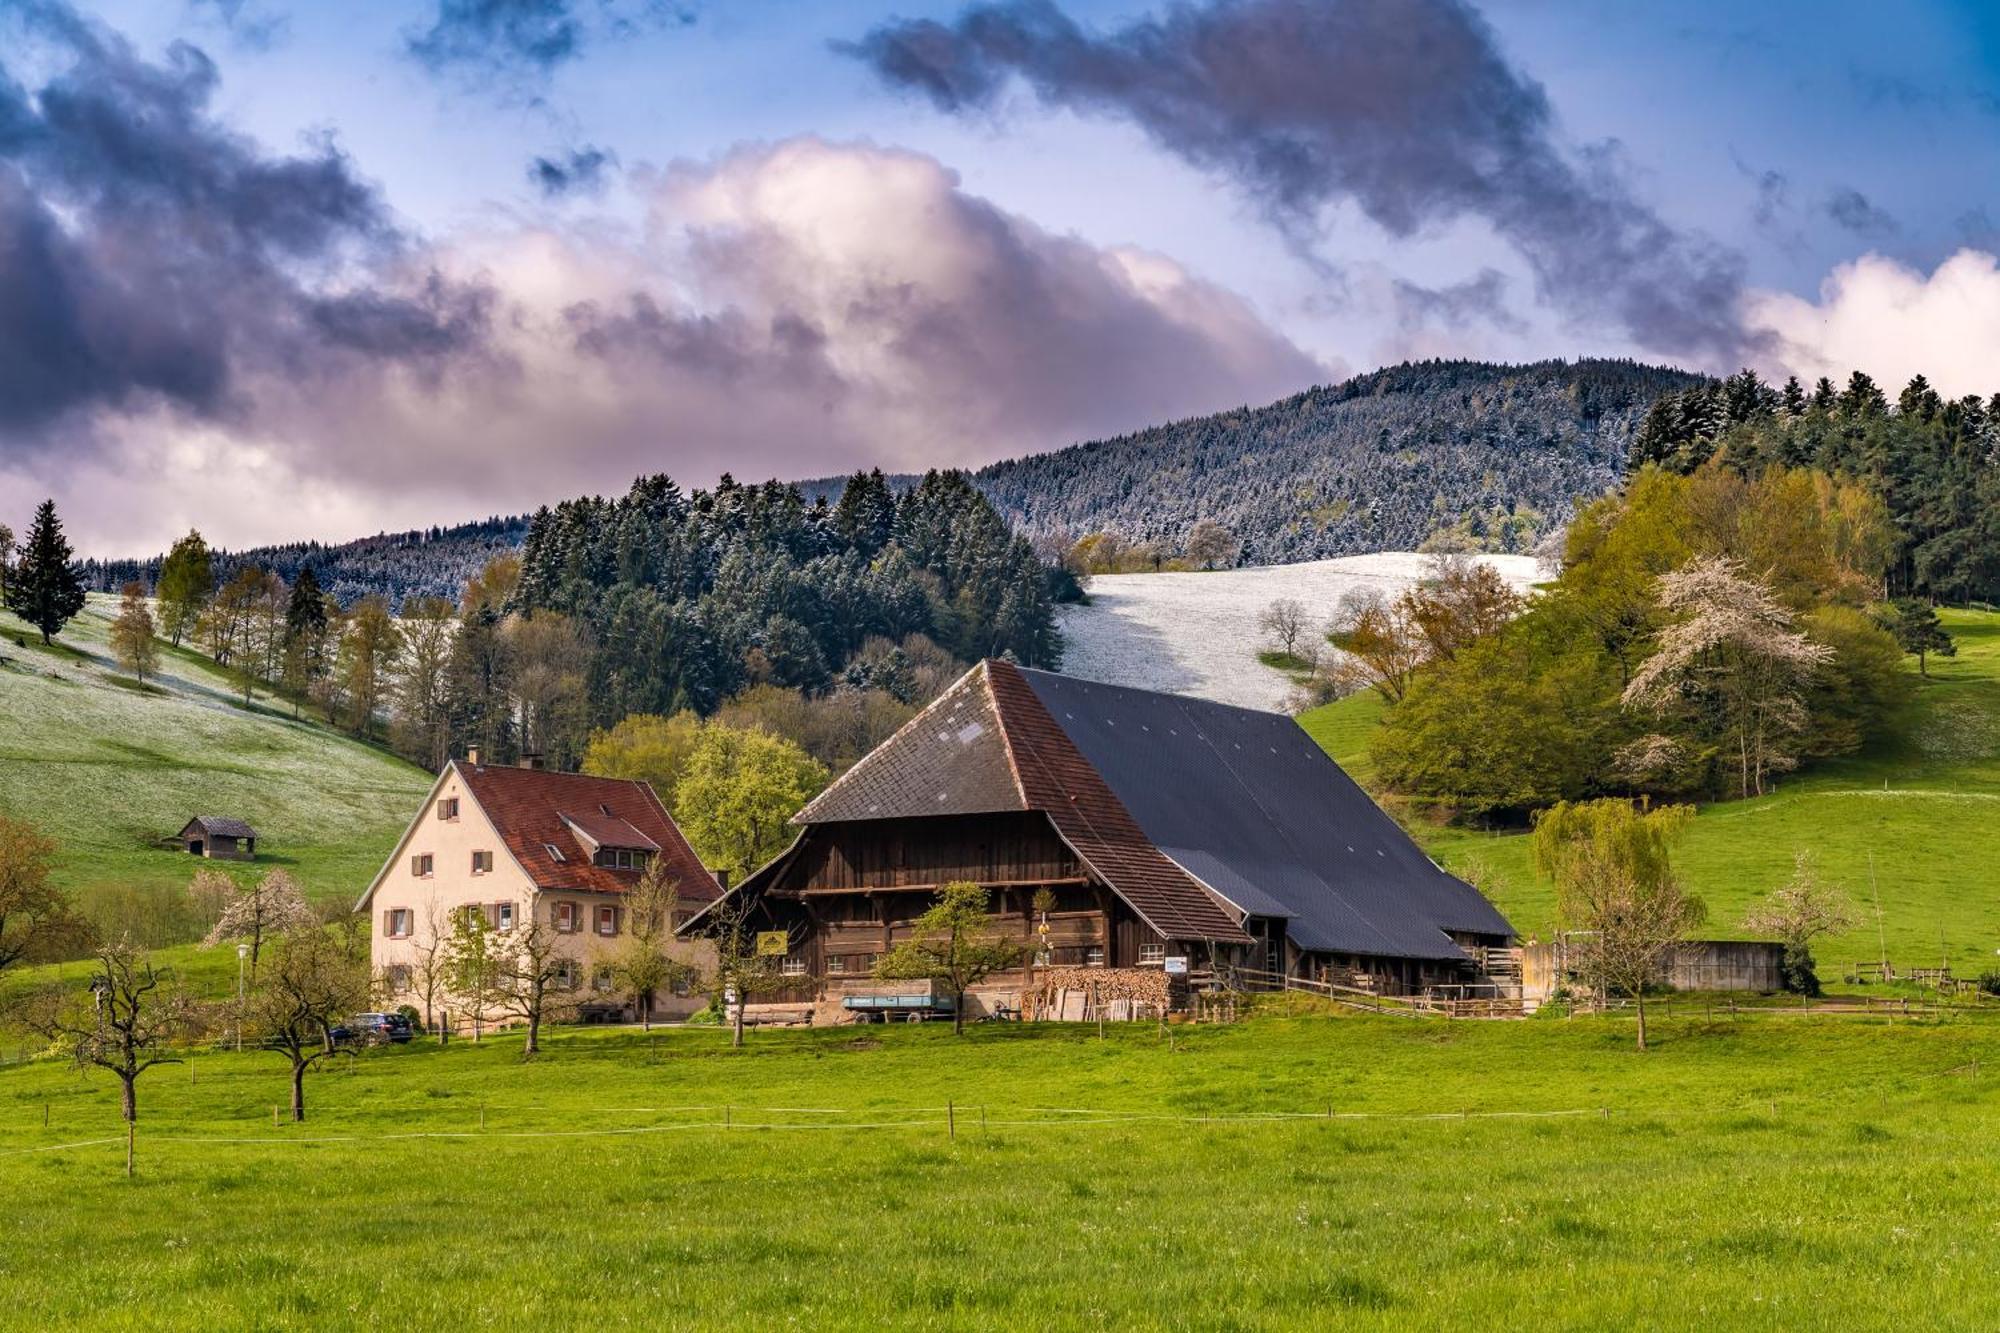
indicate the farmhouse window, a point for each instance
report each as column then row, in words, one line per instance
column 482, row 863
column 565, row 976
column 601, row 980
column 607, row 920
column 1094, row 956
column 448, row 809
column 620, row 858
column 793, row 965
column 503, row 916
column 567, row 918
column 396, row 923
column 421, row 865
column 836, row 964
column 1152, row 953
column 397, row 975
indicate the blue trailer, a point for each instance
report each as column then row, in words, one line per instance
column 908, row 1008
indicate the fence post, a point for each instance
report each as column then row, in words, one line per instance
column 950, row 1120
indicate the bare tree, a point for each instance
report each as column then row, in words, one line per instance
column 470, row 962
column 746, row 959
column 1799, row 912
column 1210, row 544
column 310, row 987
column 1731, row 665
column 1285, row 621
column 271, row 906
column 1624, row 912
column 423, row 723
column 534, row 977
column 955, row 945
column 130, row 1019
column 430, row 966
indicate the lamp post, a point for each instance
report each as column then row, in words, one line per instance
column 242, row 952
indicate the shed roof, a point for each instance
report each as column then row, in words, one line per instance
column 219, row 826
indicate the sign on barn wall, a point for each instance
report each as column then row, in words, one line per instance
column 773, row 943
column 1175, row 966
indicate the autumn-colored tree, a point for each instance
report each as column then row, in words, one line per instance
column 132, row 632
column 1624, row 911
column 37, row 921
column 272, row 906
column 954, row 944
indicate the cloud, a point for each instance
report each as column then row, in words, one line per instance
column 1853, row 211
column 154, row 257
column 1405, row 108
column 574, row 171
column 528, row 38
column 1893, row 321
column 794, row 309
column 249, row 23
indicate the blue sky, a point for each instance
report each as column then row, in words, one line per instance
column 1073, row 234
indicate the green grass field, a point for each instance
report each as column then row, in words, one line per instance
column 1280, row 1173
column 1910, row 826
column 108, row 768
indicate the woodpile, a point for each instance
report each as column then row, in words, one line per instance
column 1083, row 994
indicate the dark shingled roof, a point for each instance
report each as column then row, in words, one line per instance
column 220, row 826
column 527, row 806
column 949, row 759
column 1250, row 805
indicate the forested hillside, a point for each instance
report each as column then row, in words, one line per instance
column 1378, row 463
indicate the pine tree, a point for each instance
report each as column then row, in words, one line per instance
column 45, row 589
column 306, row 628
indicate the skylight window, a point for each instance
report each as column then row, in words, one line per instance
column 554, row 851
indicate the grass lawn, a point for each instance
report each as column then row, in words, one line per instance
column 1767, row 1172
column 1912, row 825
column 108, row 768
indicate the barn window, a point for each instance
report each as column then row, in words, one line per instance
column 1094, row 956
column 482, row 863
column 793, row 965
column 448, row 809
column 421, row 865
column 836, row 964
column 1153, row 953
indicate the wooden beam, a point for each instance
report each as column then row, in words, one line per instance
column 933, row 888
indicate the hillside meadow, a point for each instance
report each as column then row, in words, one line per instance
column 1908, row 826
column 109, row 767
column 1349, row 1171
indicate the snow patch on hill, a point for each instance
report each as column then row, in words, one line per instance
column 1197, row 633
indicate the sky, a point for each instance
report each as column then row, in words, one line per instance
column 289, row 269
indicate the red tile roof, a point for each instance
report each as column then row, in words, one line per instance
column 527, row 806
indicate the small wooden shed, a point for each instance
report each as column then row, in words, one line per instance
column 219, row 838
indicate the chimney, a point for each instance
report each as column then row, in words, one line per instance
column 531, row 761
column 721, row 879
column 472, row 755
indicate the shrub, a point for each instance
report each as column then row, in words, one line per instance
column 1989, row 983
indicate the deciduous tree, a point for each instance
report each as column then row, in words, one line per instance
column 132, row 632
column 1284, row 621
column 535, row 977
column 187, row 580
column 738, row 792
column 36, row 919
column 272, row 906
column 1799, row 912
column 955, row 944
column 650, row 958
column 311, row 987
column 1210, row 544
column 1624, row 911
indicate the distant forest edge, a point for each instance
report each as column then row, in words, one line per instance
column 1499, row 455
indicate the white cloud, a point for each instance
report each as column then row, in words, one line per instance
column 795, row 309
column 1892, row 321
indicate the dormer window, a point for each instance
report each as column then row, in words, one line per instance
column 620, row 858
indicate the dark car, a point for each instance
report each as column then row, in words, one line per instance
column 375, row 1029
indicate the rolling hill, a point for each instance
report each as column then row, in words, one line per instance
column 1908, row 828
column 109, row 767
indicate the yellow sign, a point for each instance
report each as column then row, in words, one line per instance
column 772, row 943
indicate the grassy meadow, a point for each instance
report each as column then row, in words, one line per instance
column 1283, row 1172
column 109, row 767
column 1910, row 826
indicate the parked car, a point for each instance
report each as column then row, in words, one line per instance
column 375, row 1029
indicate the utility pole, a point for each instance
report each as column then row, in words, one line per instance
column 242, row 952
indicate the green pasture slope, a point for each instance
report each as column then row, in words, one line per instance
column 108, row 768
column 1347, row 1171
column 1914, row 826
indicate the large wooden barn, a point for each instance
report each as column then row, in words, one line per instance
column 1165, row 827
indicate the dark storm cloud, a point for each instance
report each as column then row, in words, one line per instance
column 529, row 36
column 1855, row 212
column 154, row 256
column 576, row 171
column 1406, row 108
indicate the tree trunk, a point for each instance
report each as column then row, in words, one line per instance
column 958, row 1014
column 533, row 1045
column 129, row 1097
column 736, row 1037
column 646, row 1012
column 1640, row 997
column 298, row 1090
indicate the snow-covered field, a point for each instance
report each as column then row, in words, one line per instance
column 1197, row 633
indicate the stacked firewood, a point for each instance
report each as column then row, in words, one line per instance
column 1097, row 986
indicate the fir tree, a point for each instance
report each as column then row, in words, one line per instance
column 45, row 589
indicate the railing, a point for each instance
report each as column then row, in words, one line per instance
column 1354, row 997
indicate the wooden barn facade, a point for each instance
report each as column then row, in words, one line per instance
column 1173, row 833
